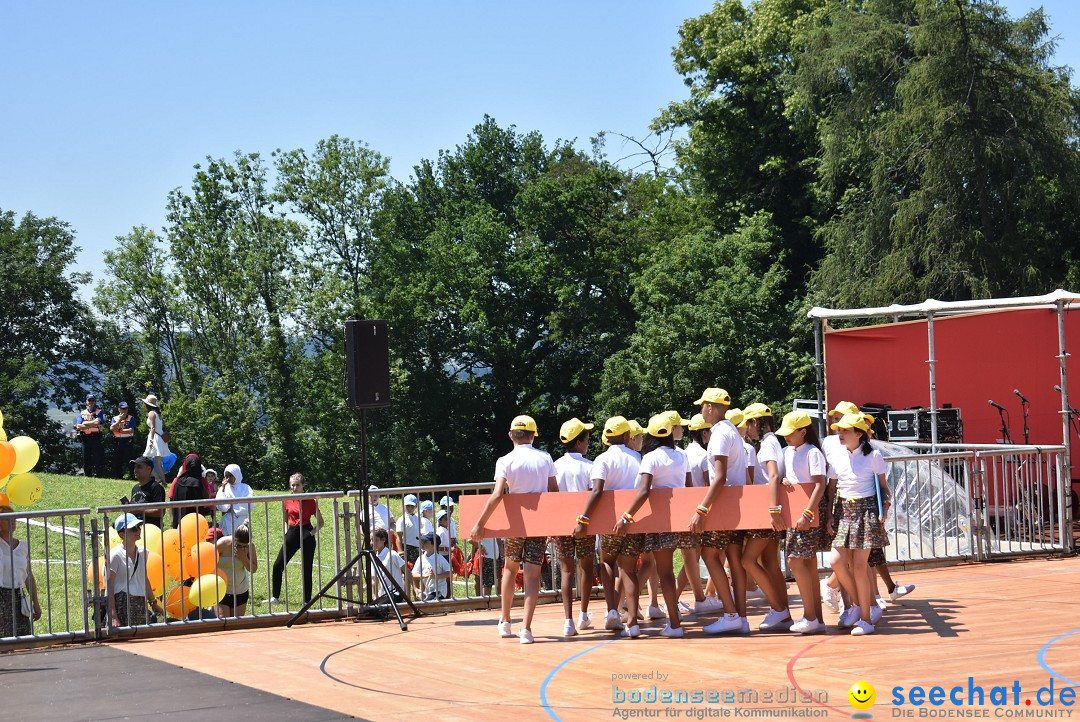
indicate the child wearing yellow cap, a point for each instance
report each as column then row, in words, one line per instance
column 573, row 472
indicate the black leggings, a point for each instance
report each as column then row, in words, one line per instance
column 294, row 538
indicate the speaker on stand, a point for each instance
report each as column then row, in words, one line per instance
column 367, row 386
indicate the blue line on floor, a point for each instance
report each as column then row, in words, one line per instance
column 1042, row 658
column 553, row 672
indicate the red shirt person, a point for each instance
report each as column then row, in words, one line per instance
column 299, row 536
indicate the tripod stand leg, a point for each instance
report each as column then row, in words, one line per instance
column 388, row 581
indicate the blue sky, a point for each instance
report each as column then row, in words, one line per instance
column 107, row 106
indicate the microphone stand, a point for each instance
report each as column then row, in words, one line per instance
column 1027, row 410
column 1006, row 437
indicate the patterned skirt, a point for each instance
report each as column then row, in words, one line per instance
column 12, row 621
column 765, row 534
column 859, row 526
column 689, row 540
column 130, row 610
column 806, row 544
column 573, row 547
column 661, row 541
column 623, row 545
column 721, row 539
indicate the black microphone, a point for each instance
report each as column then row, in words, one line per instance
column 996, row 405
column 1022, row 397
column 1057, row 388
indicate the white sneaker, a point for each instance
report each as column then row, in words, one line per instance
column 799, row 626
column 632, row 632
column 568, row 628
column 667, row 631
column 726, row 623
column 613, row 621
column 273, row 600
column 901, row 590
column 525, row 636
column 875, row 614
column 505, row 631
column 745, row 625
column 881, row 603
column 584, row 620
column 656, row 612
column 775, row 621
column 815, row 627
column 851, row 615
column 862, row 628
column 755, row 593
column 830, row 597
column 708, row 604
column 684, row 609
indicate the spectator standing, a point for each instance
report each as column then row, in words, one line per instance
column 16, row 580
column 127, row 582
column 188, row 486
column 238, row 560
column 157, row 441
column 299, row 534
column 147, row 490
column 90, row 423
column 408, row 529
column 237, row 513
column 123, row 432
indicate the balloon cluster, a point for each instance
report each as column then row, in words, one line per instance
column 18, row 457
column 169, row 562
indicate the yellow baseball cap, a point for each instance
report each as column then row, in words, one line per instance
column 735, row 416
column 756, row 411
column 698, row 422
column 524, row 423
column 572, row 429
column 844, row 407
column 661, row 424
column 851, row 421
column 636, row 429
column 676, row 418
column 794, row 420
column 616, row 426
column 714, row 396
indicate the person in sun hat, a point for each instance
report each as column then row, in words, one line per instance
column 157, row 445
column 662, row 467
column 804, row 463
column 727, row 466
column 858, row 469
column 573, row 472
column 127, row 584
column 525, row 470
column 761, row 547
column 616, row 468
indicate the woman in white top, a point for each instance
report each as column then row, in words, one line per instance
column 126, row 577
column 15, row 574
column 804, row 463
column 662, row 467
column 156, row 446
column 761, row 549
column 860, row 474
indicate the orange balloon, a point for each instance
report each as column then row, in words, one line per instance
column 7, row 458
column 156, row 572
column 170, row 552
column 193, row 528
column 177, row 605
column 203, row 559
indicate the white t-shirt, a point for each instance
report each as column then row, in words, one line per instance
column 440, row 565
column 617, row 468
column 490, row 547
column 698, row 461
column 770, row 451
column 444, row 536
column 667, row 466
column 380, row 517
column 573, row 472
column 725, row 441
column 856, row 472
column 408, row 528
column 426, row 526
column 752, row 462
column 803, row 462
column 17, row 561
column 526, row 470
column 130, row 573
column 453, row 526
column 394, row 564
column 827, row 443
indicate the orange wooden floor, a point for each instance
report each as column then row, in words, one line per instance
column 999, row 623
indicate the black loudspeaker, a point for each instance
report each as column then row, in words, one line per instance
column 367, row 364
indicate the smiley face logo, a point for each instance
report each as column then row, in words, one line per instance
column 862, row 695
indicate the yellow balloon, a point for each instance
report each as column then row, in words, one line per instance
column 207, row 590
column 150, row 538
column 3, row 434
column 27, row 454
column 4, row 482
column 114, row 539
column 24, row 489
column 102, row 565
column 1, row 419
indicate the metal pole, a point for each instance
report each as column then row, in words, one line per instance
column 1066, row 481
column 933, row 382
column 819, row 367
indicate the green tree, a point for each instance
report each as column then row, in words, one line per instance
column 48, row 338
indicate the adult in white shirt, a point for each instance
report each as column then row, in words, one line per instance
column 237, row 513
column 727, row 465
column 393, row 563
column 616, row 468
column 408, row 529
column 860, row 477
column 432, row 570
column 525, row 470
column 662, row 467
column 15, row 574
column 573, row 472
column 761, row 547
column 126, row 580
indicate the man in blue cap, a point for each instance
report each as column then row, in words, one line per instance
column 123, row 431
column 90, row 423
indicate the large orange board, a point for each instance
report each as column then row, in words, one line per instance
column 555, row 514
